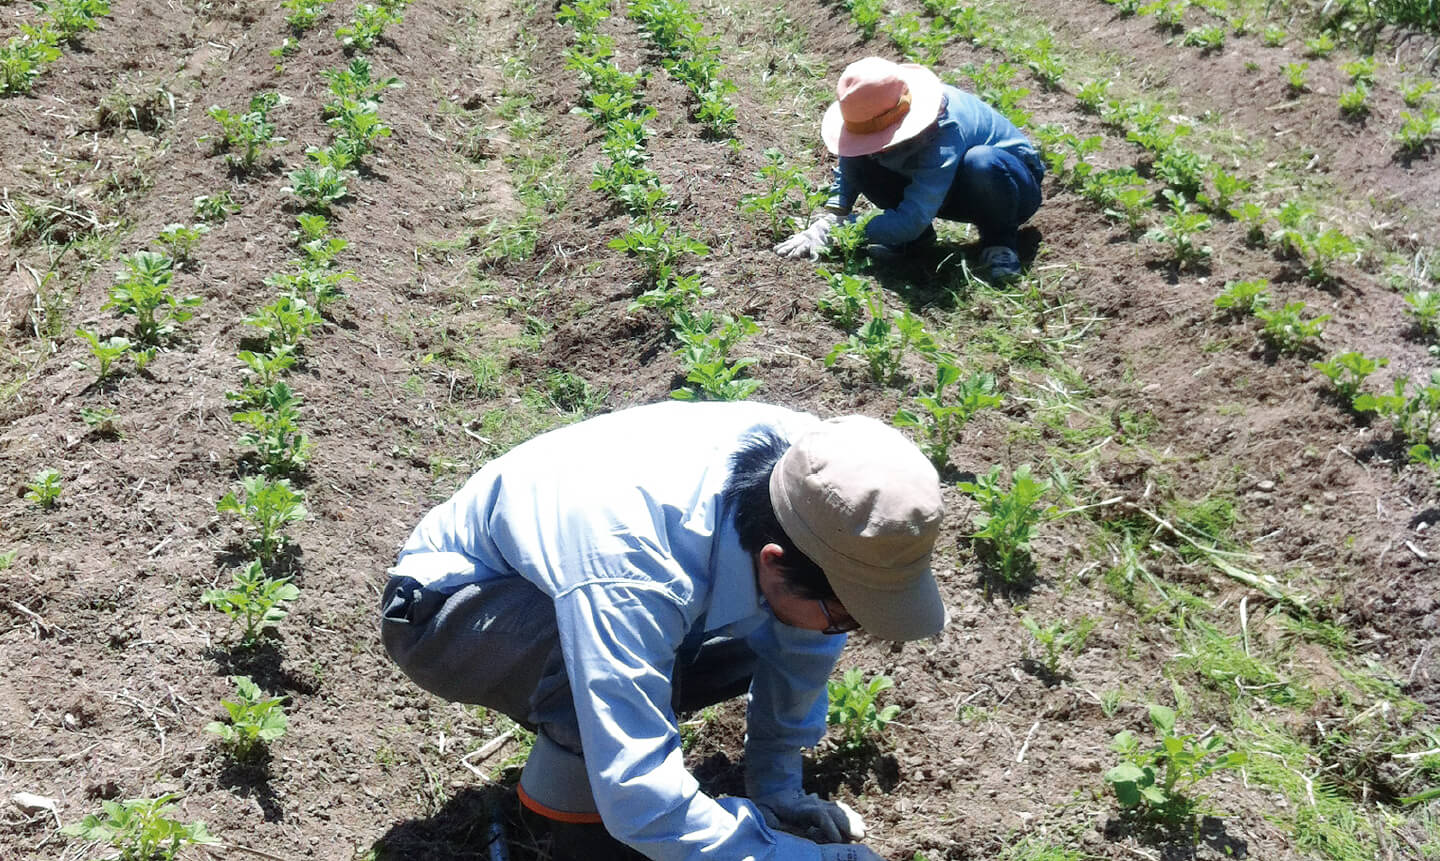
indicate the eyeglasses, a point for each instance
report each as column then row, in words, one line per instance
column 844, row 626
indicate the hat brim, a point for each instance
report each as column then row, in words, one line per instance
column 926, row 94
column 913, row 612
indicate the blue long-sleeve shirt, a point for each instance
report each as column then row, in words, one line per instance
column 930, row 160
column 621, row 520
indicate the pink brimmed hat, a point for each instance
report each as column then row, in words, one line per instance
column 878, row 104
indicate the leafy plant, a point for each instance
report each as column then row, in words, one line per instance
column 23, row 57
column 215, row 207
column 1092, row 94
column 1296, row 77
column 787, row 196
column 1155, row 783
column 1324, row 249
column 254, row 600
column 1293, row 233
column 1227, row 187
column 1181, row 169
column 1208, row 38
column 1361, row 70
column 1006, row 519
column 285, row 322
column 357, row 81
column 1244, row 297
column 1252, row 216
column 1178, row 230
column 101, row 420
column 141, row 829
column 180, row 241
column 939, row 416
column 275, row 430
column 852, row 707
column 704, row 358
column 254, row 720
column 302, row 14
column 106, row 352
column 846, row 300
column 1424, row 307
column 866, row 15
column 1320, row 46
column 1413, row 92
column 1273, row 36
column 658, row 245
column 142, row 289
column 1288, row 330
column 1058, row 638
column 883, row 341
column 318, row 187
column 1417, row 129
column 1354, row 101
column 1347, row 372
column 267, row 505
column 246, row 135
column 369, row 23
column 44, row 489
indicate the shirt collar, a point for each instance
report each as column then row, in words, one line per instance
column 734, row 597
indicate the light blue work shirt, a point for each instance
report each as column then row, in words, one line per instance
column 930, row 160
column 621, row 520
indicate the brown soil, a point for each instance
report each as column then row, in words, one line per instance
column 111, row 665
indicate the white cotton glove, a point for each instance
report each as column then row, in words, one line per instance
column 812, row 241
column 797, row 810
column 848, row 852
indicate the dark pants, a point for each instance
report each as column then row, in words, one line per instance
column 495, row 644
column 993, row 190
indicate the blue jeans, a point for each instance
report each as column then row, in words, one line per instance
column 993, row 190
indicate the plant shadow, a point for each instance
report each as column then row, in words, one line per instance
column 852, row 768
column 250, row 778
column 264, row 663
column 464, row 827
column 1178, row 839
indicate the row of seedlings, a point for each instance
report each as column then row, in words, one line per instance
column 24, row 57
column 1288, row 329
column 267, row 502
column 613, row 102
column 690, row 57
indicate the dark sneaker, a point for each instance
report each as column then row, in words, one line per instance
column 1000, row 264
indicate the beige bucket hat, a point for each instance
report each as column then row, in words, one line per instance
column 860, row 500
column 879, row 103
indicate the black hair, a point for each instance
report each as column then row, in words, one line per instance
column 747, row 493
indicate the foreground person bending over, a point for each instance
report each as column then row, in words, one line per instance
column 920, row 149
column 600, row 578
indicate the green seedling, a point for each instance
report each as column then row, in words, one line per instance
column 883, row 341
column 1180, row 169
column 23, row 57
column 179, row 241
column 106, row 352
column 1413, row 92
column 262, row 370
column 102, row 420
column 1292, row 234
column 846, row 300
column 1354, row 102
column 142, row 289
column 1041, row 59
column 1347, row 372
column 672, row 293
column 1323, row 251
column 1424, row 308
column 704, row 358
column 1057, row 639
column 1227, row 188
column 1210, row 38
column 274, row 431
column 285, row 322
column 1296, row 77
column 44, row 489
column 1179, row 229
column 658, row 245
column 1156, row 783
column 847, row 243
column 786, row 199
column 1289, row 330
column 1320, row 46
column 852, row 708
column 7, row 558
column 247, row 135
column 940, row 415
column 1252, row 216
column 333, row 157
column 356, row 81
column 311, row 282
column 1092, row 95
column 917, row 41
column 1006, row 520
column 302, row 14
column 1126, row 199
column 254, row 601
column 1416, row 130
column 866, row 15
column 318, row 187
column 215, row 207
column 1273, row 36
column 267, row 505
column 357, row 126
column 1243, row 297
column 1361, row 70
column 140, row 829
column 254, row 721
column 370, row 22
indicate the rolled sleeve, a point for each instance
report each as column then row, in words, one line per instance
column 787, row 703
